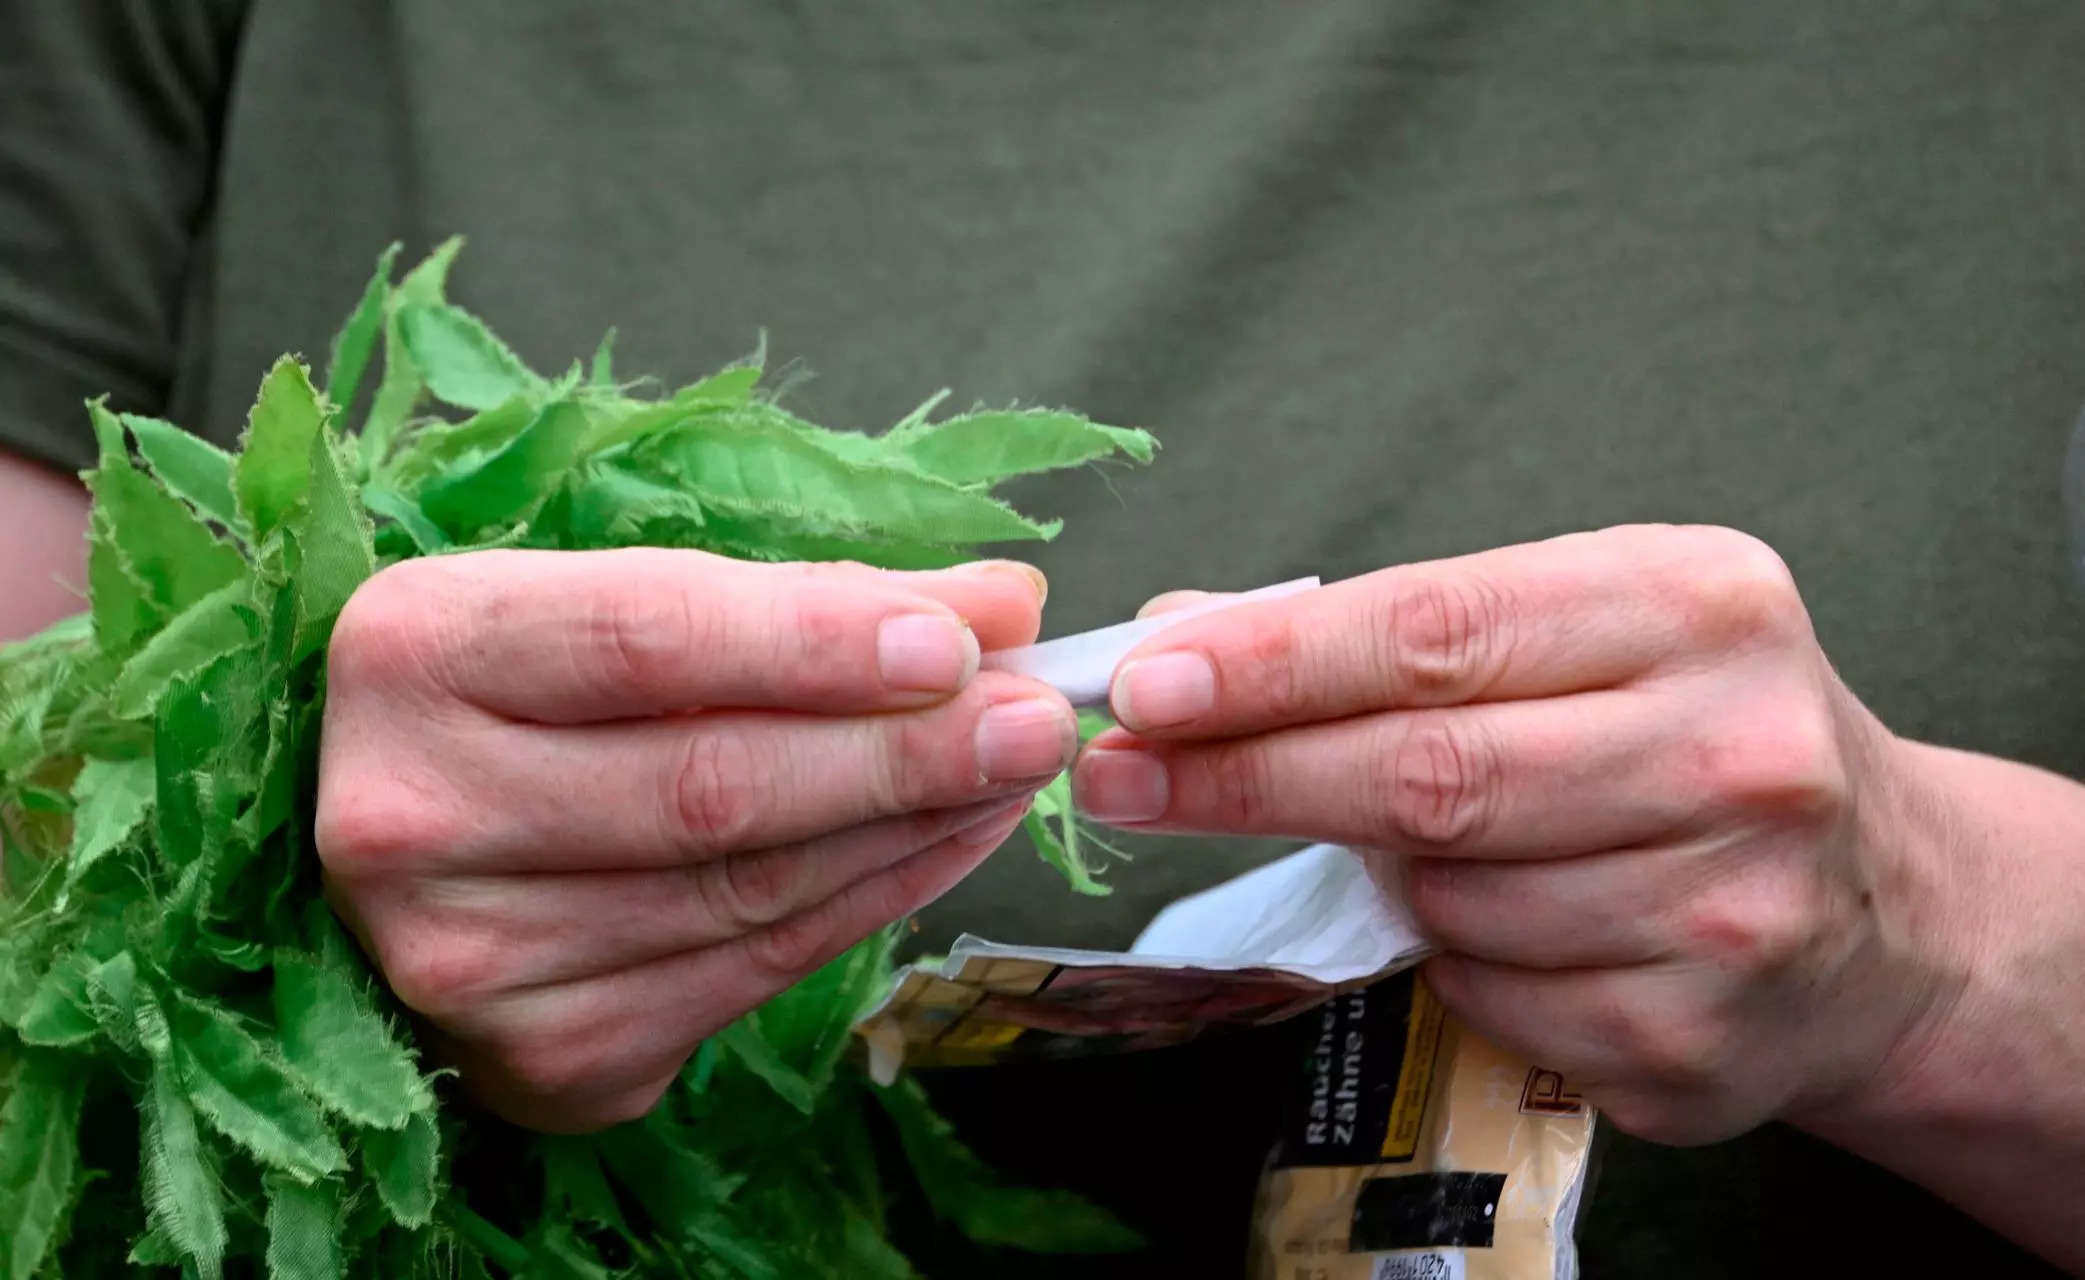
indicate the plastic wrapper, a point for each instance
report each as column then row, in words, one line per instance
column 1410, row 1148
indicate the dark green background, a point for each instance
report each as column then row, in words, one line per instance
column 1392, row 279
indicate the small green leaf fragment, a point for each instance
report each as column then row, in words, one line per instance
column 113, row 798
column 389, row 504
column 399, row 393
column 183, row 1202
column 304, row 1225
column 340, row 1048
column 132, row 1024
column 58, row 1014
column 163, row 547
column 274, row 468
column 39, row 1161
column 247, row 1096
column 758, row 464
column 207, row 732
column 188, row 465
column 1058, row 846
column 989, row 446
column 37, row 799
column 620, row 421
column 460, row 359
column 403, row 1164
column 122, row 609
column 743, row 1040
column 153, row 1249
column 510, row 483
column 334, row 541
column 198, row 635
column 356, row 342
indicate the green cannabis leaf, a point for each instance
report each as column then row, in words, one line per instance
column 199, row 1073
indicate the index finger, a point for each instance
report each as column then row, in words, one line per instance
column 562, row 637
column 1568, row 615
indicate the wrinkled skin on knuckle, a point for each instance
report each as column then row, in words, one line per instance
column 1435, row 783
column 747, row 891
column 919, row 760
column 716, row 793
column 1238, row 787
column 394, row 631
column 814, row 649
column 638, row 636
column 1776, row 760
column 1273, row 665
column 1446, row 634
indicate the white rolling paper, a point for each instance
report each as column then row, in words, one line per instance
column 1081, row 666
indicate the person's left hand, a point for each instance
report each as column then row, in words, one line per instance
column 1661, row 848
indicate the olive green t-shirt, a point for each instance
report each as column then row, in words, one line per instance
column 1391, row 279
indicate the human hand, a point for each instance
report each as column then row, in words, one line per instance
column 585, row 808
column 1660, row 846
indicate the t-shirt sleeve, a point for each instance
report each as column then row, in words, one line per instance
column 109, row 120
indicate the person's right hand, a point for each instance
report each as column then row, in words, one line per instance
column 583, row 809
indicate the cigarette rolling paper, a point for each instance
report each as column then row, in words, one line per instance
column 1081, row 666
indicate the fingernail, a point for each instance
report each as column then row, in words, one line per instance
column 995, row 828
column 1170, row 689
column 1121, row 786
column 1027, row 739
column 1013, row 568
column 925, row 653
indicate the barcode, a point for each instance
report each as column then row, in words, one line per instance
column 1438, row 1264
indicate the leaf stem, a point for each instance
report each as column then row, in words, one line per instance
column 490, row 1240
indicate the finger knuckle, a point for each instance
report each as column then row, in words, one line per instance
column 441, row 973
column 1274, row 655
column 1758, row 928
column 1239, row 785
column 816, row 648
column 1446, row 636
column 393, row 628
column 373, row 827
column 1780, row 760
column 915, row 762
column 640, row 635
column 791, row 947
column 1436, row 891
column 716, row 793
column 746, row 891
column 1437, row 781
column 1733, row 588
